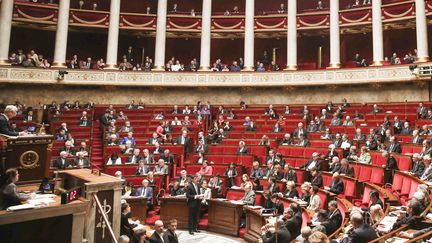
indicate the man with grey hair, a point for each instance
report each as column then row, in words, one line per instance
column 418, row 166
column 123, row 239
column 427, row 173
column 9, row 112
column 249, row 196
column 146, row 191
column 281, row 233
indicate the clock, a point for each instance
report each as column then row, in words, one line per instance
column 71, row 195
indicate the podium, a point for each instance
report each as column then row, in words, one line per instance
column 30, row 154
column 108, row 190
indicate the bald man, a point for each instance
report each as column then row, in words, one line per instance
column 158, row 234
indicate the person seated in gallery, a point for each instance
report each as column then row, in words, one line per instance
column 114, row 159
column 146, row 191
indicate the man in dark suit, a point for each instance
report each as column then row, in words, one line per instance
column 406, row 130
column 299, row 130
column 416, row 139
column 334, row 214
column 157, row 236
column 316, row 179
column 391, row 163
column 154, row 139
column 61, row 162
column 193, row 203
column 323, row 218
column 272, row 186
column 337, row 186
column 397, row 125
column 170, row 236
column 183, row 140
column 135, row 158
column 394, row 146
column 418, row 166
column 167, row 157
column 281, row 234
column 201, row 147
column 422, row 111
column 291, row 222
column 9, row 112
column 314, row 162
column 361, row 232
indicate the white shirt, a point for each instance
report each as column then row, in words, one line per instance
column 175, row 67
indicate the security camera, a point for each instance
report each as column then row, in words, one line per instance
column 61, row 74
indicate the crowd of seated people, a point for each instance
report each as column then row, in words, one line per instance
column 273, row 170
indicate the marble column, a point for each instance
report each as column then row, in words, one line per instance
column 61, row 34
column 292, row 36
column 205, row 35
column 377, row 33
column 160, row 36
column 5, row 29
column 249, row 36
column 113, row 34
column 334, row 34
column 421, row 29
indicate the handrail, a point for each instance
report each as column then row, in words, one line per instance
column 104, row 217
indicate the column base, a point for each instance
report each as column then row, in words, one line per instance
column 422, row 59
column 158, row 69
column 291, row 68
column 248, row 69
column 4, row 62
column 204, row 68
column 377, row 63
column 111, row 67
column 59, row 65
column 334, row 66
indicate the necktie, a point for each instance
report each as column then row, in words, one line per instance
column 144, row 192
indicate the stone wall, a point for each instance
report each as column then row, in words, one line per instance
column 32, row 94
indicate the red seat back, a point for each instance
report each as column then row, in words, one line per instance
column 234, row 194
column 377, row 175
column 365, row 173
column 397, row 182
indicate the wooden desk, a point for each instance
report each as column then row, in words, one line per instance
column 108, row 189
column 174, row 208
column 138, row 208
column 54, row 223
column 254, row 222
column 224, row 217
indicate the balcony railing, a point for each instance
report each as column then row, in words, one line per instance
column 390, row 74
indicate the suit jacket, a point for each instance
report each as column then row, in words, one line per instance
column 273, row 188
column 85, row 162
column 337, row 187
column 190, row 195
column 417, row 140
column 303, row 143
column 142, row 171
column 418, row 168
column 163, row 170
column 249, row 198
column 317, row 181
column 61, row 164
column 243, row 150
column 148, row 159
column 364, row 233
column 347, row 171
column 203, row 148
column 293, row 226
column 187, row 142
column 153, row 140
column 317, row 164
column 170, row 237
column 290, row 176
column 297, row 132
column 329, row 226
column 406, row 131
column 5, row 128
column 283, row 235
column 394, row 148
column 148, row 194
column 155, row 238
column 84, row 123
column 391, row 163
column 336, row 218
column 258, row 173
column 167, row 158
column 291, row 194
column 130, row 158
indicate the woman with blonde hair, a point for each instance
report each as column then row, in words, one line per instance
column 318, row 237
column 376, row 214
